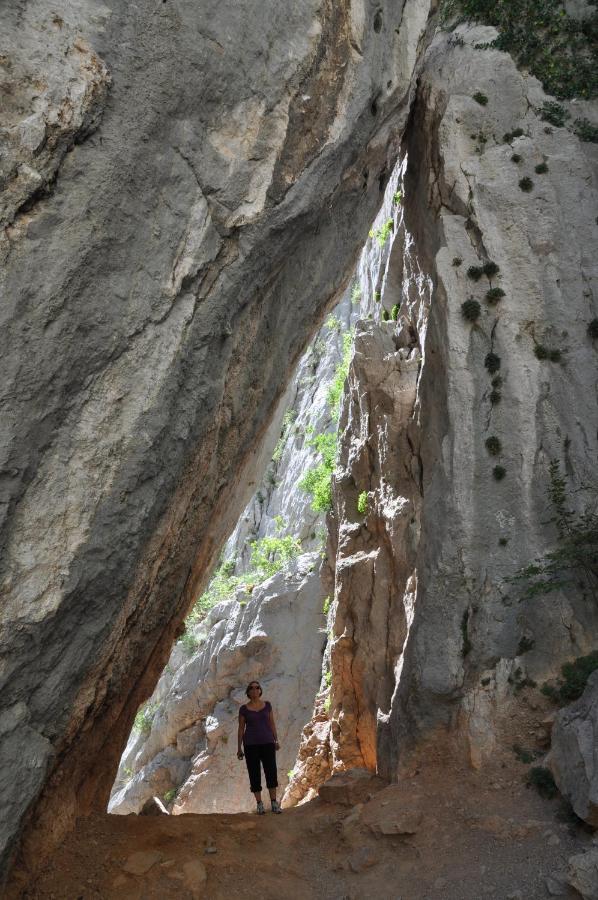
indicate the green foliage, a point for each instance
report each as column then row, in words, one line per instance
column 495, row 397
column 499, row 472
column 394, row 313
column 317, row 481
column 335, row 391
column 553, row 112
column 508, row 137
column 189, row 641
column 356, row 293
column 326, row 605
column 525, row 645
column 494, row 295
column 493, row 445
column 471, row 310
column 585, row 131
column 575, row 677
column 290, row 774
column 524, row 756
column 546, row 353
column 480, row 98
column 541, row 778
column 541, row 168
column 170, row 795
column 492, row 362
column 526, row 185
column 496, row 382
column 503, row 541
column 288, row 419
column 362, row 503
column 593, row 329
column 271, row 554
column 574, row 561
column 457, row 261
column 516, row 158
column 397, row 198
column 328, row 678
column 490, row 269
column 475, row 272
column 145, row 717
column 383, row 232
column 559, row 50
column 333, row 323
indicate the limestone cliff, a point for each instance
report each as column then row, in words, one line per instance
column 161, row 276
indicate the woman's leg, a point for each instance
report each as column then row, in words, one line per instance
column 252, row 761
column 268, row 758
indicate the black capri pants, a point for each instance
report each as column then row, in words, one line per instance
column 266, row 755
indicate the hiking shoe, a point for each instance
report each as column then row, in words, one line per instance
column 276, row 807
column 260, row 809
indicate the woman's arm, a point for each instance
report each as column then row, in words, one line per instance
column 240, row 735
column 273, row 727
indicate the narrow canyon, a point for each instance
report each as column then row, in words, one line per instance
column 300, row 384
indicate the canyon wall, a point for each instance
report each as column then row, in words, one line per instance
column 187, row 188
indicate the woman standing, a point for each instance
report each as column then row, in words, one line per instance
column 257, row 736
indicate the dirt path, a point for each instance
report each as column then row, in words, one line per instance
column 472, row 836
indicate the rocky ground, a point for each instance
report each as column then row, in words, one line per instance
column 439, row 835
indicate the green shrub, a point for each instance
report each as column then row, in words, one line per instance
column 553, row 354
column 385, row 315
column 541, row 778
column 457, row 261
column 495, row 397
column 328, row 678
column 516, row 158
column 326, row 606
column 494, row 295
column 496, row 382
column 189, row 641
column 525, row 645
column 394, row 313
column 475, row 272
column 271, row 554
column 335, row 391
column 526, row 184
column 170, row 795
column 397, row 198
column 522, row 755
column 585, row 131
column 492, row 362
column 471, row 310
column 356, row 293
column 593, row 329
column 541, row 168
column 493, row 445
column 499, row 472
column 490, row 269
column 553, row 112
column 333, row 323
column 575, row 677
column 362, row 503
column 574, row 561
column 145, row 717
column 317, row 481
column 480, row 98
column 383, row 232
column 503, row 541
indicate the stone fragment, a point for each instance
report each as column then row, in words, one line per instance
column 573, row 757
column 141, row 862
column 350, row 787
column 583, row 873
column 362, row 859
column 153, row 807
column 394, row 810
column 195, row 876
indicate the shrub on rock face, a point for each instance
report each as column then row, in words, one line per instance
column 585, row 131
column 394, row 313
column 553, row 112
column 499, row 472
column 495, row 397
column 516, row 158
column 471, row 310
column 526, row 184
column 593, row 329
column 457, row 261
column 541, row 168
column 493, row 445
column 475, row 272
column 490, row 269
column 362, row 503
column 492, row 362
column 494, row 295
column 480, row 98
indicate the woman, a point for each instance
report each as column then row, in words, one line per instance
column 257, row 736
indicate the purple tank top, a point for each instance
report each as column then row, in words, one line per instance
column 257, row 726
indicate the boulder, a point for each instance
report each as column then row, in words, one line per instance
column 574, row 754
column 583, row 873
column 351, row 787
column 153, row 807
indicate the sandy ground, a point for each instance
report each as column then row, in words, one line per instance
column 473, row 836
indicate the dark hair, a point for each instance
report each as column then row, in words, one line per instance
column 249, row 685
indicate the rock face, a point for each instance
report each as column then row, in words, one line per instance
column 430, row 640
column 191, row 747
column 574, row 753
column 161, row 275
